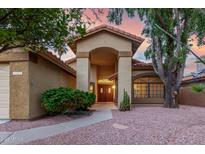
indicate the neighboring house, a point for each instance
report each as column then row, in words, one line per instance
column 200, row 66
column 24, row 76
column 105, row 66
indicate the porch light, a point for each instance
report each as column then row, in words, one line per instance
column 91, row 88
column 113, row 87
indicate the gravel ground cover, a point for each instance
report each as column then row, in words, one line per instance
column 142, row 125
column 15, row 125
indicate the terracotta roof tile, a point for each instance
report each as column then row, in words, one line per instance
column 71, row 60
column 134, row 64
column 187, row 80
column 112, row 28
column 140, row 63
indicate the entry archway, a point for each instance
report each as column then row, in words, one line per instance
column 103, row 63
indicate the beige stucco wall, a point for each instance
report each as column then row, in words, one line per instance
column 124, row 77
column 19, row 84
column 37, row 76
column 45, row 75
column 19, row 90
column 93, row 77
column 93, row 73
column 104, row 39
column 83, row 73
column 188, row 97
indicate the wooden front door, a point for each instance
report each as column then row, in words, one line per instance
column 105, row 93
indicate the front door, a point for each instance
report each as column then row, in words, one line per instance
column 105, row 93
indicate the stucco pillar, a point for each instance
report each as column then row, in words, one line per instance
column 124, row 77
column 83, row 72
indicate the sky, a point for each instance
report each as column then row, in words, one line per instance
column 134, row 26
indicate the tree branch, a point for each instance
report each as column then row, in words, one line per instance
column 157, row 58
column 186, row 47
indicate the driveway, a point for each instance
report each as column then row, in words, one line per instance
column 142, row 125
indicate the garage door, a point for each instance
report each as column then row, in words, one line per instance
column 4, row 91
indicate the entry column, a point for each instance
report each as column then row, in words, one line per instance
column 83, row 71
column 124, row 75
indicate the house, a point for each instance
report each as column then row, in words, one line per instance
column 24, row 76
column 105, row 66
column 200, row 66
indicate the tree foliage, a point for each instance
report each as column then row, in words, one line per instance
column 198, row 88
column 39, row 29
column 168, row 56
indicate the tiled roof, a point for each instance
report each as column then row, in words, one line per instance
column 136, row 40
column 137, row 63
column 71, row 60
column 190, row 79
column 116, row 30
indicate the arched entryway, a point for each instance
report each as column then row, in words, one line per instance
column 148, row 89
column 103, row 63
column 109, row 41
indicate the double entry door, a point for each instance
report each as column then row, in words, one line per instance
column 105, row 93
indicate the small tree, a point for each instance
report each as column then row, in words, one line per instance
column 125, row 104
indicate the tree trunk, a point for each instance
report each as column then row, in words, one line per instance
column 171, row 94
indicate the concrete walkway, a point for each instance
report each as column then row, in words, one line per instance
column 28, row 135
column 3, row 121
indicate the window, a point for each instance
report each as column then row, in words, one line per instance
column 101, row 90
column 109, row 90
column 148, row 88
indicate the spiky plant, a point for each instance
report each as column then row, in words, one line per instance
column 125, row 104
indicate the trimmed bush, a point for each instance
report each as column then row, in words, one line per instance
column 59, row 100
column 125, row 104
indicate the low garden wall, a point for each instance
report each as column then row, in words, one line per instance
column 188, row 97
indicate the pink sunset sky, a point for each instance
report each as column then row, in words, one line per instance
column 135, row 26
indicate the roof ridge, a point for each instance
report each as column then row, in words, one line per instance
column 114, row 28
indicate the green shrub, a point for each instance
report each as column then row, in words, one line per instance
column 198, row 88
column 59, row 100
column 125, row 104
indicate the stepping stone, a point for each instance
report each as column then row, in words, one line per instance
column 119, row 126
